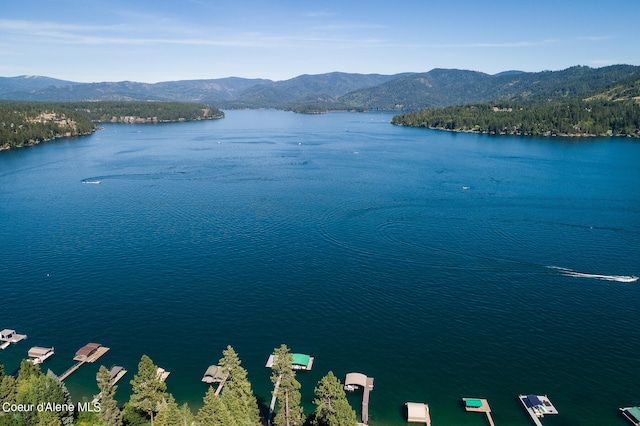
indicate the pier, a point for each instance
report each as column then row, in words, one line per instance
column 479, row 406
column 537, row 406
column 8, row 337
column 358, row 380
column 272, row 406
column 88, row 353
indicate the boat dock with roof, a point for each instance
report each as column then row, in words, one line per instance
column 88, row 353
column 162, row 374
column 632, row 414
column 478, row 405
column 300, row 362
column 418, row 412
column 38, row 355
column 116, row 373
column 215, row 374
column 8, row 336
column 355, row 381
column 537, row 406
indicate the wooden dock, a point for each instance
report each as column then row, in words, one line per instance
column 537, row 406
column 71, row 370
column 478, row 405
column 92, row 356
column 359, row 380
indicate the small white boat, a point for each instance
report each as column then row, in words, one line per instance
column 93, row 182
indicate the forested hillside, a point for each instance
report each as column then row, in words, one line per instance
column 28, row 123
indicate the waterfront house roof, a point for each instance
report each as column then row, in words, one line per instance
column 87, row 349
column 473, row 403
column 7, row 333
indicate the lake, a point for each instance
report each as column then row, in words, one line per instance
column 444, row 265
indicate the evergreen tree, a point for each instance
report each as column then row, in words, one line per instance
column 148, row 390
column 186, row 415
column 214, row 412
column 109, row 414
column 288, row 412
column 237, row 394
column 169, row 413
column 332, row 407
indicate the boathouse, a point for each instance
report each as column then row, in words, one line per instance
column 213, row 374
column 85, row 352
column 300, row 361
column 418, row 412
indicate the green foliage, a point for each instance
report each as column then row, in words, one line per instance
column 109, row 414
column 148, row 390
column 237, row 394
column 332, row 407
column 23, row 123
column 27, row 123
column 214, row 412
column 572, row 117
column 169, row 413
column 288, row 409
column 30, row 389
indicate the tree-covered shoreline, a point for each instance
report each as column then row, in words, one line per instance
column 30, row 123
column 573, row 118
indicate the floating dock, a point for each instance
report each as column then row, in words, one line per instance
column 162, row 374
column 355, row 381
column 478, row 405
column 38, row 355
column 8, row 336
column 418, row 412
column 300, row 362
column 537, row 406
column 88, row 353
column 632, row 414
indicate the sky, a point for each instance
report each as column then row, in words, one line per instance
column 165, row 40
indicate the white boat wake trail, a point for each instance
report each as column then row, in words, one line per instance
column 571, row 273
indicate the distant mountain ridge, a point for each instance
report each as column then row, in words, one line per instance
column 340, row 91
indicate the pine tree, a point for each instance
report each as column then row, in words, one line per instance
column 289, row 412
column 169, row 413
column 109, row 414
column 148, row 390
column 214, row 412
column 332, row 407
column 237, row 394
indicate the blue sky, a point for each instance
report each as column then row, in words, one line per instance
column 162, row 40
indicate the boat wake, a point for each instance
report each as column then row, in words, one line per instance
column 571, row 273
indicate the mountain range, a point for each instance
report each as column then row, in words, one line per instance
column 339, row 91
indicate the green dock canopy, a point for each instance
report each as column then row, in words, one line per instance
column 301, row 359
column 473, row 403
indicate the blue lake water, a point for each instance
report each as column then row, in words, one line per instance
column 418, row 257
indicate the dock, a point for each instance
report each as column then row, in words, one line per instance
column 116, row 373
column 8, row 336
column 537, row 406
column 355, row 381
column 215, row 374
column 478, row 405
column 300, row 362
column 38, row 355
column 162, row 374
column 632, row 414
column 418, row 412
column 88, row 353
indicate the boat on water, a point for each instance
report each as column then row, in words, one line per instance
column 93, row 182
column 632, row 414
